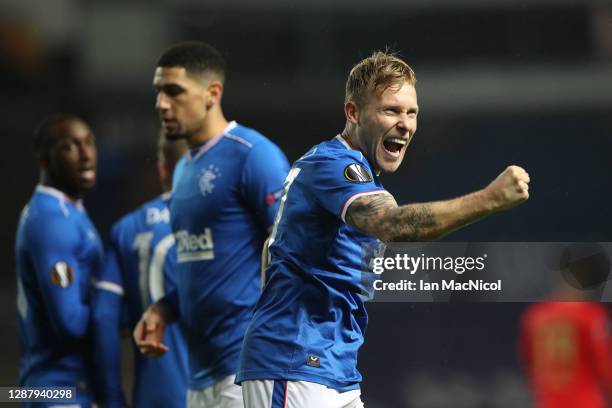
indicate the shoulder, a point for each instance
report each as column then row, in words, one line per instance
column 331, row 158
column 534, row 312
column 333, row 151
column 594, row 311
column 48, row 221
column 249, row 138
column 257, row 150
column 137, row 220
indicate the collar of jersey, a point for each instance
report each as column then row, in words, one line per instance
column 60, row 195
column 207, row 145
column 348, row 146
column 344, row 142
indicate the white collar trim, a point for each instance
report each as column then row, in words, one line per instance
column 344, row 142
column 60, row 195
column 208, row 145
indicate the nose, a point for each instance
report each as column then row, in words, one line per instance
column 161, row 102
column 87, row 151
column 406, row 123
column 403, row 124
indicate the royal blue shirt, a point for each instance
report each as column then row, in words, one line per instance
column 225, row 196
column 58, row 252
column 139, row 270
column 310, row 321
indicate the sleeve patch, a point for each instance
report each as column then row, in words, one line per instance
column 274, row 196
column 356, row 173
column 62, row 275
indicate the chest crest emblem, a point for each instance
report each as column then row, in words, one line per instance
column 207, row 179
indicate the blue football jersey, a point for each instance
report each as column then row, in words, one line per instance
column 224, row 199
column 310, row 320
column 58, row 251
column 140, row 265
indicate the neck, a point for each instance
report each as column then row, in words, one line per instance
column 166, row 188
column 348, row 135
column 213, row 126
column 46, row 181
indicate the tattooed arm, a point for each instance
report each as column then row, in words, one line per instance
column 380, row 216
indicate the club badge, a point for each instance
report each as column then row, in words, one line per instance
column 207, row 179
column 357, row 173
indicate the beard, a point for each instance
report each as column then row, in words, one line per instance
column 175, row 135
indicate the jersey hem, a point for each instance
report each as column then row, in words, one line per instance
column 208, row 381
column 250, row 375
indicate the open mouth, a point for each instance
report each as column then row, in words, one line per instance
column 87, row 174
column 394, row 145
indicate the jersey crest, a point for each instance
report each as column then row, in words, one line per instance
column 207, row 179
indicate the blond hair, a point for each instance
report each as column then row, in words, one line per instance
column 377, row 73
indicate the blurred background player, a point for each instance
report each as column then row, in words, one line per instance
column 225, row 194
column 139, row 269
column 301, row 346
column 566, row 345
column 58, row 252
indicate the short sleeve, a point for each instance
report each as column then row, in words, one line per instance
column 338, row 181
column 263, row 175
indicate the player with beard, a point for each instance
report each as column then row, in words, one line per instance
column 300, row 350
column 58, row 251
column 224, row 197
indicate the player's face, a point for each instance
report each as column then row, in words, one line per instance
column 181, row 102
column 72, row 162
column 387, row 122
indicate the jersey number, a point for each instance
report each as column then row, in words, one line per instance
column 288, row 181
column 151, row 266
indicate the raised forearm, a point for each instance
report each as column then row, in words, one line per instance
column 380, row 216
column 430, row 221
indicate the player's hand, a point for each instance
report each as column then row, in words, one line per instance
column 149, row 331
column 509, row 189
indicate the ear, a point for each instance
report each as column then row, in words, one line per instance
column 215, row 92
column 351, row 111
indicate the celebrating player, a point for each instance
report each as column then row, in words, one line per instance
column 301, row 346
column 225, row 195
column 58, row 251
column 139, row 269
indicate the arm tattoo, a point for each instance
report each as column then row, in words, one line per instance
column 380, row 216
column 363, row 211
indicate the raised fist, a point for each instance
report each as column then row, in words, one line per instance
column 509, row 189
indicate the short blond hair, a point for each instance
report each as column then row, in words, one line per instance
column 376, row 73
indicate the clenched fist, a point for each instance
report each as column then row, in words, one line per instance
column 509, row 189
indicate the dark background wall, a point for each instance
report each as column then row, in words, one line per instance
column 500, row 82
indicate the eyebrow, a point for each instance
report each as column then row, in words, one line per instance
column 166, row 87
column 414, row 109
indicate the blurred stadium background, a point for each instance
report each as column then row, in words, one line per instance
column 500, row 81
